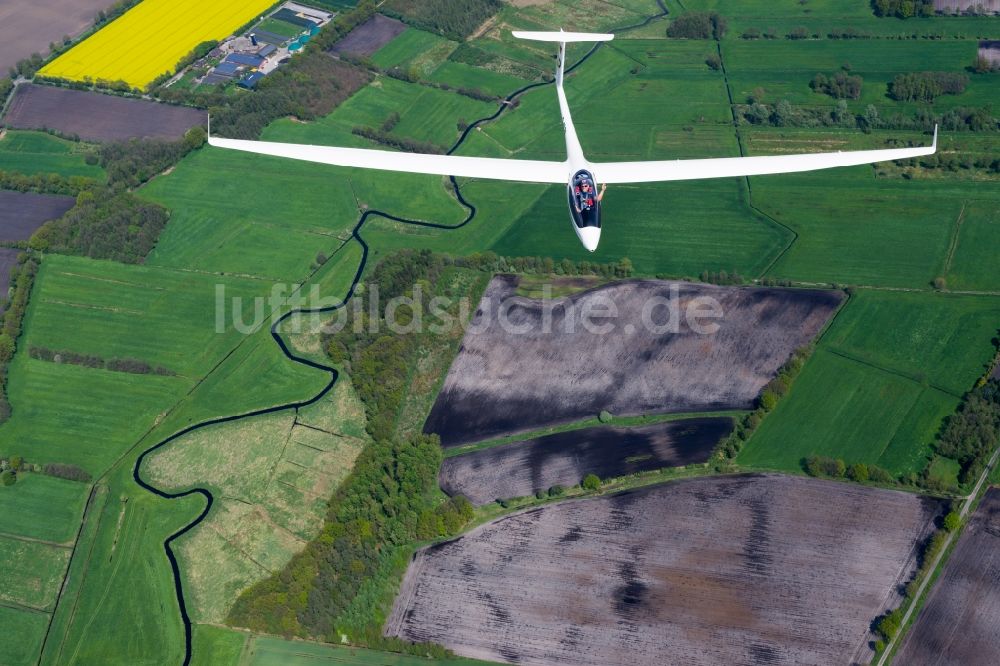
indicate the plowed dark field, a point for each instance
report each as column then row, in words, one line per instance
column 522, row 468
column 29, row 27
column 756, row 569
column 370, row 36
column 958, row 624
column 22, row 213
column 96, row 116
column 504, row 382
column 8, row 259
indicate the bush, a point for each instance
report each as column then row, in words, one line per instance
column 823, row 466
column 591, row 482
column 940, row 283
column 540, row 494
column 839, row 86
column 952, row 521
column 556, row 491
column 858, row 472
column 888, row 625
column 879, row 475
column 714, row 61
column 8, row 478
column 605, row 416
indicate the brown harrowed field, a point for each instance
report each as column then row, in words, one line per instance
column 29, row 27
column 522, row 468
column 958, row 623
column 370, row 36
column 23, row 212
column 504, row 382
column 745, row 569
column 98, row 117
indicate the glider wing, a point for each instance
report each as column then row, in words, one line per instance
column 648, row 172
column 528, row 171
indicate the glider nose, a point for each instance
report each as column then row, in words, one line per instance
column 590, row 237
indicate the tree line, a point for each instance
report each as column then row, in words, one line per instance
column 22, row 279
column 785, row 114
column 972, row 434
column 903, row 8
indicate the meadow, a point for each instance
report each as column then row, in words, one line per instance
column 889, row 369
column 149, row 40
column 415, row 51
column 37, row 152
column 25, row 631
column 43, row 507
column 271, row 476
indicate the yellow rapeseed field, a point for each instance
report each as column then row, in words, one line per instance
column 151, row 38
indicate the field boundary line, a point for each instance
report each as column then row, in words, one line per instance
column 27, row 539
column 13, row 605
column 918, row 596
column 891, row 371
column 953, row 246
column 739, row 143
column 83, row 572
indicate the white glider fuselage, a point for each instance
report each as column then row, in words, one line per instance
column 584, row 206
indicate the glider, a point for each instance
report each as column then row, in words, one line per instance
column 579, row 174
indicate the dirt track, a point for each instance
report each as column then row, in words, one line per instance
column 370, row 36
column 761, row 569
column 522, row 468
column 29, row 27
column 96, row 116
column 503, row 383
column 958, row 623
column 22, row 213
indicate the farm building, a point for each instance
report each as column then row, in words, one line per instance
column 250, row 82
column 288, row 16
column 226, row 69
column 267, row 50
column 245, row 59
column 990, row 51
column 269, row 37
column 962, row 6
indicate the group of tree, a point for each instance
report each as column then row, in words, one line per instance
column 785, row 114
column 972, row 434
column 22, row 279
column 454, row 19
column 45, row 183
column 128, row 365
column 698, row 25
column 121, row 227
column 836, row 468
column 839, row 86
column 927, row 86
column 903, row 8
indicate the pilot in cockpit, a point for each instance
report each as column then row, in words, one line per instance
column 585, row 195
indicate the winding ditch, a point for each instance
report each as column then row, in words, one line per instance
column 334, row 375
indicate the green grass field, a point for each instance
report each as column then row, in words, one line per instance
column 24, row 632
column 889, row 369
column 33, row 572
column 416, row 51
column 43, row 507
column 37, row 152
